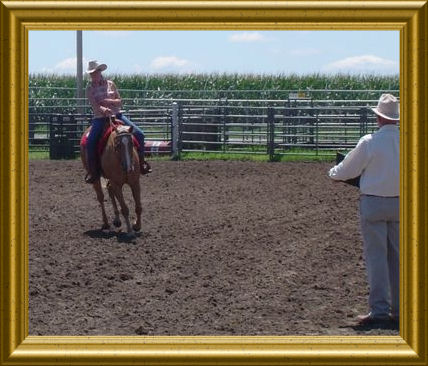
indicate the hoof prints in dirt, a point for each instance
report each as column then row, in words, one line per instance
column 226, row 248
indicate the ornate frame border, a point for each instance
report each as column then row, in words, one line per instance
column 408, row 17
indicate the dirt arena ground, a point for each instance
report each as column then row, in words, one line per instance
column 227, row 248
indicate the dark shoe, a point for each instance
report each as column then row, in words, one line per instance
column 91, row 179
column 145, row 168
column 369, row 319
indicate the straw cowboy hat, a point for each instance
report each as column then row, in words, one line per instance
column 94, row 66
column 388, row 107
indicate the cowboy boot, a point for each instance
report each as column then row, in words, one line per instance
column 145, row 167
column 91, row 178
column 93, row 173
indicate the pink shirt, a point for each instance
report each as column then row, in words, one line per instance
column 96, row 93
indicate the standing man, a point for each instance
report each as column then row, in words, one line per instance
column 376, row 159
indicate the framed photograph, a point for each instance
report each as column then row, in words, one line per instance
column 20, row 17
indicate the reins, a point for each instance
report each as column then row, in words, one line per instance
column 111, row 121
column 118, row 134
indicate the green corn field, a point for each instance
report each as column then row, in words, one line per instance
column 238, row 86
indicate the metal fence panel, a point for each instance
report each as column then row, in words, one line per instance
column 245, row 126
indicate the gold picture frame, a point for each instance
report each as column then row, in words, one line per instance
column 410, row 18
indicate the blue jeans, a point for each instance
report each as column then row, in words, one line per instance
column 97, row 127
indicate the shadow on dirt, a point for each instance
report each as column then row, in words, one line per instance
column 121, row 236
column 391, row 325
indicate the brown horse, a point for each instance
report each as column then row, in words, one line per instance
column 119, row 165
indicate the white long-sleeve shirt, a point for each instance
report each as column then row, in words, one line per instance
column 377, row 159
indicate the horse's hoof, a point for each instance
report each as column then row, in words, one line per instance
column 105, row 227
column 136, row 227
column 117, row 223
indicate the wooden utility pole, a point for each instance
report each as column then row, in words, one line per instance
column 79, row 76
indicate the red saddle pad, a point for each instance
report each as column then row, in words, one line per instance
column 103, row 140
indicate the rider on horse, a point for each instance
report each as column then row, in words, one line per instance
column 105, row 100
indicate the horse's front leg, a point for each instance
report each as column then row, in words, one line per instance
column 116, row 220
column 124, row 208
column 136, row 193
column 100, row 197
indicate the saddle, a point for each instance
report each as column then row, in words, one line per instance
column 96, row 170
column 108, row 129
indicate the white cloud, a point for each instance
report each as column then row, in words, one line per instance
column 165, row 63
column 66, row 66
column 305, row 51
column 363, row 63
column 247, row 37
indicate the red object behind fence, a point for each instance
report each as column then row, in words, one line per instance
column 157, row 147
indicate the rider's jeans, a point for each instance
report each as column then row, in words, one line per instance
column 97, row 126
column 136, row 131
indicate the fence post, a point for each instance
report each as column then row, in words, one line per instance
column 271, row 133
column 316, row 134
column 55, row 133
column 286, row 130
column 71, row 137
column 175, row 131
column 79, row 72
column 311, row 123
column 363, row 121
column 224, row 112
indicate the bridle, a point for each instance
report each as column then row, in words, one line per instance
column 123, row 144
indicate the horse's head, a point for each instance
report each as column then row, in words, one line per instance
column 124, row 146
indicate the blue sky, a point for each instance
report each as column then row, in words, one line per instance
column 267, row 52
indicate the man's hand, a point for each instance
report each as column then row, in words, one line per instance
column 110, row 102
column 106, row 111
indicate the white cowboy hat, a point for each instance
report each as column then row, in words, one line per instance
column 388, row 107
column 94, row 66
